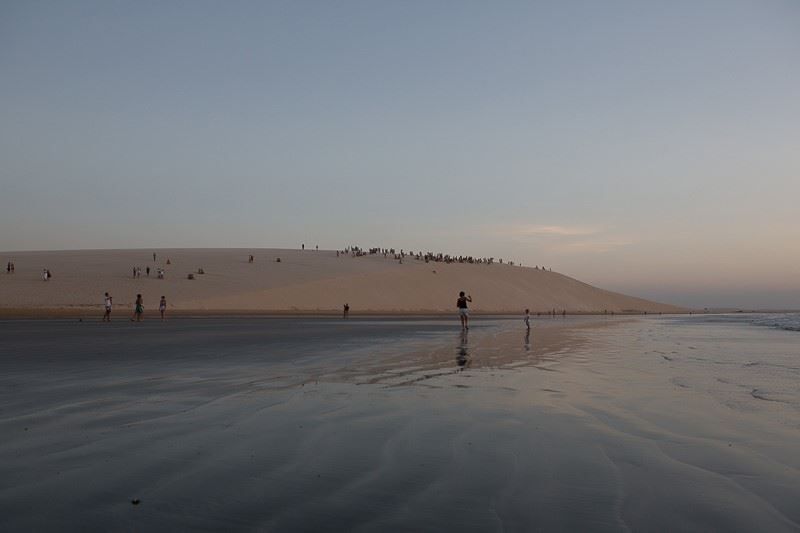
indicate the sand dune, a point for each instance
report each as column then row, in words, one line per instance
column 304, row 281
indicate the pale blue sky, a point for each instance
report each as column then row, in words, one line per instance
column 647, row 147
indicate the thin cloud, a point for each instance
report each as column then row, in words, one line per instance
column 600, row 246
column 565, row 240
column 542, row 230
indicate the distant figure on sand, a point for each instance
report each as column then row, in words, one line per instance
column 463, row 313
column 346, row 311
column 154, row 257
column 45, row 274
column 107, row 304
column 138, row 309
column 303, row 246
column 162, row 307
column 528, row 319
column 148, row 271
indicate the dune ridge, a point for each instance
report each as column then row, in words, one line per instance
column 303, row 281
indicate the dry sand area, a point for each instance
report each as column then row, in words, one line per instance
column 303, row 281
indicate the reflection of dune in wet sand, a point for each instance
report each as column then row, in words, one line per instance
column 307, row 281
column 510, row 347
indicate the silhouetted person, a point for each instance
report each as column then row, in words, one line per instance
column 528, row 319
column 162, row 307
column 463, row 312
column 107, row 304
column 346, row 311
column 138, row 309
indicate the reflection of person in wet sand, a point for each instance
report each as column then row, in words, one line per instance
column 463, row 312
column 528, row 340
column 462, row 359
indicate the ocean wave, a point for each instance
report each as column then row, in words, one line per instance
column 786, row 321
column 782, row 321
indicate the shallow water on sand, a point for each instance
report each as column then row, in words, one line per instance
column 667, row 423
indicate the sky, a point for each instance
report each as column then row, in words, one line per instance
column 651, row 148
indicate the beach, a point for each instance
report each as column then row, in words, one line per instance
column 303, row 282
column 399, row 423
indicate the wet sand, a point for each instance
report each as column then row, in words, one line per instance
column 287, row 424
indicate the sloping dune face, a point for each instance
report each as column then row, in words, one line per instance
column 302, row 281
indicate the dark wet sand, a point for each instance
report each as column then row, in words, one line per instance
column 310, row 424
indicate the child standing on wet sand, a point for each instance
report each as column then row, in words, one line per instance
column 528, row 319
column 107, row 303
column 162, row 307
column 138, row 310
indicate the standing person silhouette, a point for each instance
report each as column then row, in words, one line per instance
column 463, row 312
column 107, row 302
column 162, row 307
column 138, row 310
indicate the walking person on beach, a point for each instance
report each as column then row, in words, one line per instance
column 45, row 274
column 528, row 319
column 154, row 257
column 107, row 304
column 463, row 313
column 346, row 311
column 162, row 307
column 138, row 310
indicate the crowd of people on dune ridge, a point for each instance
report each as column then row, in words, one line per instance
column 428, row 257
